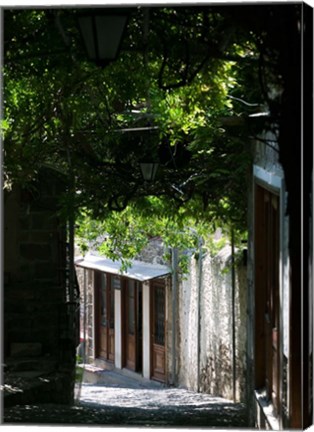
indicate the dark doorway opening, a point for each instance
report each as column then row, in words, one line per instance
column 132, row 325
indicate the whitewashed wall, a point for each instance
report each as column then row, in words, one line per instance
column 210, row 339
column 187, row 308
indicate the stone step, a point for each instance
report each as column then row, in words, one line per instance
column 116, row 377
column 103, row 364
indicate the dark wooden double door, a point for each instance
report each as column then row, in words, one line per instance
column 132, row 313
column 132, row 322
column 158, row 333
column 267, row 304
column 104, row 314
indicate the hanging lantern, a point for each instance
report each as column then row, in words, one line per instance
column 102, row 31
column 149, row 170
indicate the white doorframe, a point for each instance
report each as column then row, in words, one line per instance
column 118, row 329
column 146, row 331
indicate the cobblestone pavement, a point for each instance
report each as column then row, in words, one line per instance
column 134, row 405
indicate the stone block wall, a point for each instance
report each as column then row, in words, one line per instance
column 154, row 252
column 34, row 286
column 35, row 309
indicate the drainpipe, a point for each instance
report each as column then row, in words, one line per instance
column 233, row 316
column 174, row 258
column 200, row 271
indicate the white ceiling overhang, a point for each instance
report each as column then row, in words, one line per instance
column 139, row 270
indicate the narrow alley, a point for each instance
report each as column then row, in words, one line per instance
column 126, row 401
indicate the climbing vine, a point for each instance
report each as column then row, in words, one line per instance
column 206, row 71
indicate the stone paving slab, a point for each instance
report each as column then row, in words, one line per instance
column 117, row 378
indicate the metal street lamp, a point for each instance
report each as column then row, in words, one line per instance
column 149, row 170
column 102, row 31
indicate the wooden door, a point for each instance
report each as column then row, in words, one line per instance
column 133, row 325
column 158, row 339
column 267, row 307
column 273, row 297
column 104, row 316
column 115, row 283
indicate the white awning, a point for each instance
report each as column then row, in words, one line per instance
column 139, row 270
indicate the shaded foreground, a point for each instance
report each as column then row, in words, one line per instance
column 116, row 405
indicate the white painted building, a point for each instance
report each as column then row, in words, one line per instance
column 123, row 318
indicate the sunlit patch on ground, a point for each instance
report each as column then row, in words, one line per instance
column 10, row 389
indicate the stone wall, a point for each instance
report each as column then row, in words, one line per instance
column 154, row 252
column 205, row 327
column 35, row 283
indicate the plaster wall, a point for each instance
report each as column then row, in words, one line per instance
column 205, row 335
column 187, row 308
column 266, row 155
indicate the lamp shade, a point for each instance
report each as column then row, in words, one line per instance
column 149, row 170
column 102, row 31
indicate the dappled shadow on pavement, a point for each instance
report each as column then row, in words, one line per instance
column 112, row 406
column 226, row 416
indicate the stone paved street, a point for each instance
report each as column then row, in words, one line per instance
column 134, row 403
